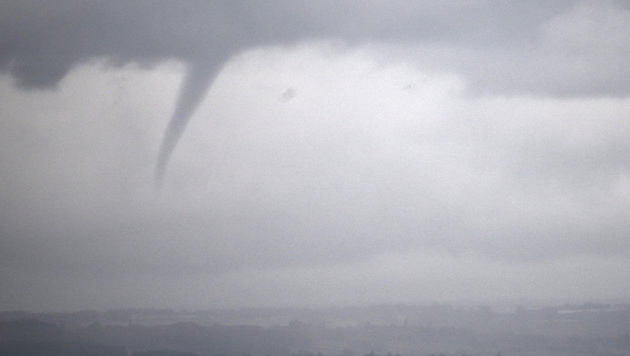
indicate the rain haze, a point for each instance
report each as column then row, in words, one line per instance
column 201, row 154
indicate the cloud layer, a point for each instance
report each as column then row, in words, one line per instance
column 347, row 153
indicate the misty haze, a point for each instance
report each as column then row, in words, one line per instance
column 302, row 178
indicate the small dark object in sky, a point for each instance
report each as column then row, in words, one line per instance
column 288, row 95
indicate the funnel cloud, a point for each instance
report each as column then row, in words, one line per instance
column 193, row 89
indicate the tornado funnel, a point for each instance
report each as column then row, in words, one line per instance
column 194, row 87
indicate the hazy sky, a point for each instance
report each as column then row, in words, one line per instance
column 326, row 152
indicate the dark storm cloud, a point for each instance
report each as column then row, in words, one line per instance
column 42, row 41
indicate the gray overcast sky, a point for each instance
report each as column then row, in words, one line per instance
column 330, row 152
